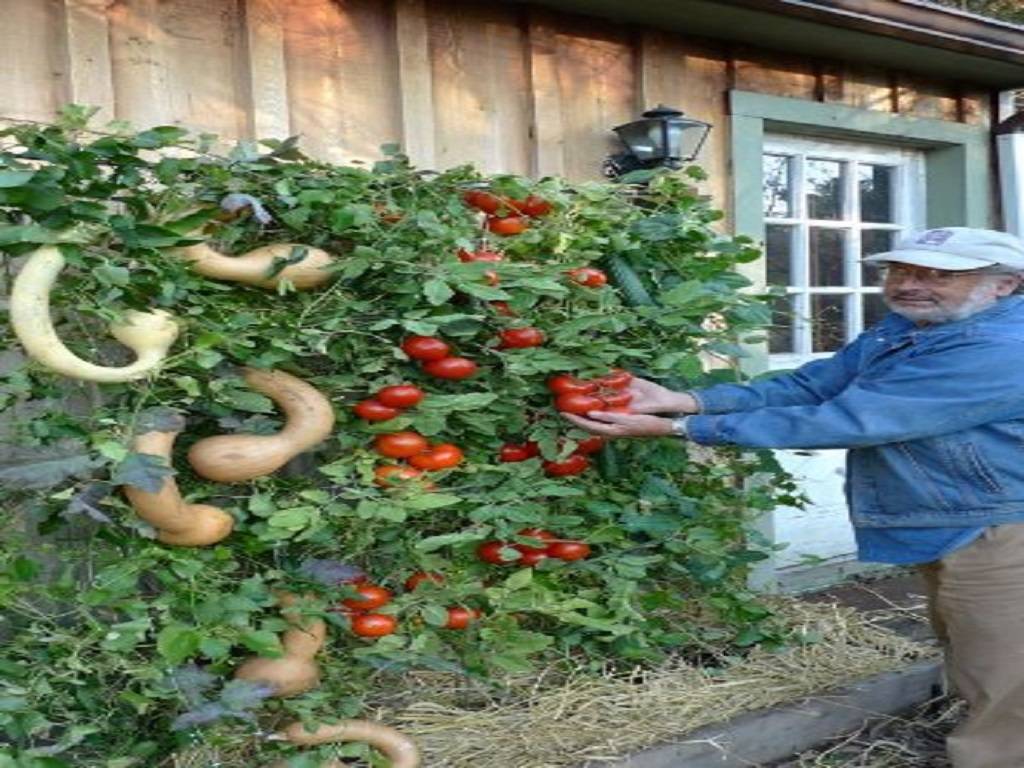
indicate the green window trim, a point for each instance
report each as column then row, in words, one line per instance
column 957, row 165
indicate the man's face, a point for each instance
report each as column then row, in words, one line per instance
column 926, row 295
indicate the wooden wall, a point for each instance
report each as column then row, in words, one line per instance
column 509, row 87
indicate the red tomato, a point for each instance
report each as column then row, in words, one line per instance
column 442, row 456
column 568, row 550
column 400, row 396
column 511, row 452
column 615, row 379
column 490, row 552
column 502, row 308
column 530, row 556
column 420, row 576
column 571, row 466
column 371, row 597
column 588, row 277
column 450, row 368
column 388, row 475
column 373, row 624
column 482, row 201
column 481, row 255
column 589, row 445
column 521, row 338
column 575, row 402
column 400, row 445
column 532, row 206
column 538, row 533
column 507, row 225
column 425, row 348
column 563, row 384
column 459, row 617
column 374, row 410
column 616, row 399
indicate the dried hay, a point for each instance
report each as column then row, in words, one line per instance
column 558, row 719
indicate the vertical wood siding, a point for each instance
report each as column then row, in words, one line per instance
column 509, row 87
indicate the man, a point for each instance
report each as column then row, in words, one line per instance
column 930, row 404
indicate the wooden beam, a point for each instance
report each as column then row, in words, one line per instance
column 415, row 82
column 268, row 74
column 90, row 78
column 548, row 127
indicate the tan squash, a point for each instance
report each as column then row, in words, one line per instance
column 255, row 266
column 148, row 334
column 236, row 458
column 297, row 671
column 392, row 743
column 177, row 523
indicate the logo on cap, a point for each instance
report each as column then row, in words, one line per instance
column 935, row 237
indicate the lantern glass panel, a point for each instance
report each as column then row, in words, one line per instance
column 644, row 138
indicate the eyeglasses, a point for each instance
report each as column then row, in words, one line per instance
column 925, row 274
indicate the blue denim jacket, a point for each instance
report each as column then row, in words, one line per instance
column 933, row 417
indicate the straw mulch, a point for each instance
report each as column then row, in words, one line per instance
column 558, row 719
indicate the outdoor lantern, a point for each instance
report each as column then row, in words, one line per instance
column 663, row 138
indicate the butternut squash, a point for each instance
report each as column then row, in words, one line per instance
column 392, row 743
column 177, row 523
column 296, row 672
column 236, row 458
column 256, row 267
column 148, row 334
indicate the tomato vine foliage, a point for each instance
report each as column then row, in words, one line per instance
column 98, row 612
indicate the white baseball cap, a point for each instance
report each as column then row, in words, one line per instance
column 956, row 248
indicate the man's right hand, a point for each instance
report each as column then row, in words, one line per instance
column 649, row 397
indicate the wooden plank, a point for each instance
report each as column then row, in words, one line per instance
column 480, row 86
column 32, row 75
column 977, row 107
column 857, row 86
column 342, row 77
column 774, row 73
column 267, row 73
column 694, row 78
column 415, row 79
column 138, row 47
column 89, row 79
column 548, row 127
column 925, row 98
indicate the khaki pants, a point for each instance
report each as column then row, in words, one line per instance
column 976, row 604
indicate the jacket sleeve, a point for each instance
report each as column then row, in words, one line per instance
column 810, row 384
column 943, row 390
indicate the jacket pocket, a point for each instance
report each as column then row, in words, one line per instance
column 974, row 470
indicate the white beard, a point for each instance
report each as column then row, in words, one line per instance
column 978, row 299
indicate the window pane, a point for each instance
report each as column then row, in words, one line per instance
column 874, row 309
column 826, row 255
column 780, row 335
column 875, row 183
column 828, row 330
column 824, row 189
column 874, row 241
column 777, row 192
column 778, row 246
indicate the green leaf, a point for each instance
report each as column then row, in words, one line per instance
column 177, row 642
column 434, row 615
column 437, row 292
column 9, row 178
column 433, row 543
column 143, row 471
column 431, row 501
column 520, row 579
column 470, row 401
column 262, row 642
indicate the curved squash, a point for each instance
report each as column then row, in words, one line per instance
column 236, row 458
column 148, row 334
column 178, row 523
column 296, row 672
column 398, row 748
column 254, row 266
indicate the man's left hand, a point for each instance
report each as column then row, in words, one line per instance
column 622, row 424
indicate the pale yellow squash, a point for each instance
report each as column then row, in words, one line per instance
column 256, row 266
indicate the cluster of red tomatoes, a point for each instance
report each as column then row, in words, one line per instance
column 572, row 465
column 413, row 447
column 605, row 393
column 505, row 553
column 389, row 402
column 366, row 622
column 504, row 215
column 436, row 358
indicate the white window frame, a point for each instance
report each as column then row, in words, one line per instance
column 909, row 209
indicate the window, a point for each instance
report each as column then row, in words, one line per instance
column 826, row 204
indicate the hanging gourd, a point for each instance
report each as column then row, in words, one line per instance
column 178, row 523
column 296, row 671
column 302, row 265
column 398, row 748
column 236, row 458
column 148, row 334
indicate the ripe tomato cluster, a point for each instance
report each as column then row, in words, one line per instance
column 483, row 255
column 504, row 215
column 389, row 402
column 436, row 358
column 366, row 622
column 421, row 454
column 575, row 463
column 605, row 393
column 494, row 552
